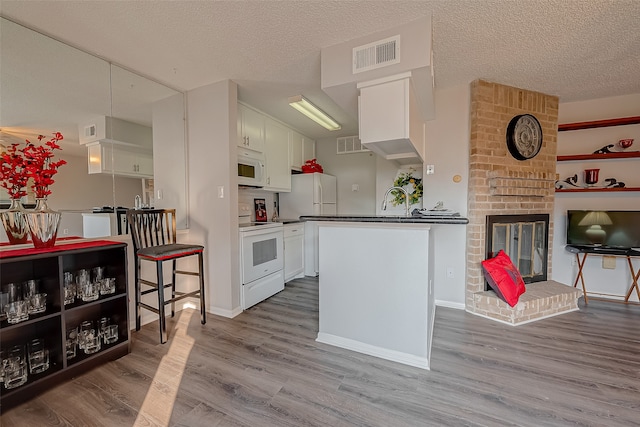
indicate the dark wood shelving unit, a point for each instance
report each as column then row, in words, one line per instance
column 48, row 267
column 607, row 156
column 599, row 123
column 596, row 190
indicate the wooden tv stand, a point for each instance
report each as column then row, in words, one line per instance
column 600, row 251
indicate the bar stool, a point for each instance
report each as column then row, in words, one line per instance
column 153, row 232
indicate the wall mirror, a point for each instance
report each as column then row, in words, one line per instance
column 48, row 86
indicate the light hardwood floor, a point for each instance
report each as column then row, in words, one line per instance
column 264, row 368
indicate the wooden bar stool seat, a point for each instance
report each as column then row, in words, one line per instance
column 153, row 232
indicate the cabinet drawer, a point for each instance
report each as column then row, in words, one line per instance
column 296, row 229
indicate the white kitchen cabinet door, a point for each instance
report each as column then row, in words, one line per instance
column 278, row 173
column 295, row 150
column 389, row 119
column 301, row 149
column 251, row 132
column 96, row 156
column 293, row 251
column 119, row 160
column 308, row 149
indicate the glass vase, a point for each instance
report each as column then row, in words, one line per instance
column 15, row 223
column 43, row 224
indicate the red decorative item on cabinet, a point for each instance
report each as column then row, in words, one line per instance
column 311, row 166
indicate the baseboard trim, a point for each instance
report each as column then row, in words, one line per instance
column 372, row 350
column 449, row 304
column 224, row 312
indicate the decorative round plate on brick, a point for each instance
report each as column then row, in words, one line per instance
column 524, row 137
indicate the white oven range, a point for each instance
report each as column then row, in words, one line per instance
column 261, row 261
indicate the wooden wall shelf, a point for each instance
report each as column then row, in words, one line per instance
column 607, row 156
column 596, row 190
column 599, row 123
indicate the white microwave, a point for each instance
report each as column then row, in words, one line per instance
column 250, row 168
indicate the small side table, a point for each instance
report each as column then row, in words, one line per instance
column 600, row 251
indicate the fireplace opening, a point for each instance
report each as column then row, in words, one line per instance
column 525, row 238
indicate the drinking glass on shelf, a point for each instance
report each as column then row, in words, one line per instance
column 38, row 356
column 17, row 311
column 69, row 288
column 31, row 288
column 98, row 274
column 4, row 300
column 90, row 338
column 71, row 342
column 14, row 291
column 108, row 286
column 109, row 332
column 38, row 303
column 90, row 291
column 82, row 277
column 85, row 328
column 15, row 368
column 3, row 361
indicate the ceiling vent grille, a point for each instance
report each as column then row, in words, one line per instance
column 349, row 144
column 376, row 55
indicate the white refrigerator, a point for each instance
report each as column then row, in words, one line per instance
column 311, row 194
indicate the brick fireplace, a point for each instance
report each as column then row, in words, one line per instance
column 502, row 185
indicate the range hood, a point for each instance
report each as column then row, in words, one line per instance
column 386, row 81
column 117, row 131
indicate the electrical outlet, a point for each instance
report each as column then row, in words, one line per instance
column 65, row 231
column 430, row 169
column 450, row 274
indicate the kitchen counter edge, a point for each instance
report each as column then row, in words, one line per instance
column 388, row 219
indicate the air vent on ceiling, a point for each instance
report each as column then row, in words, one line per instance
column 376, row 55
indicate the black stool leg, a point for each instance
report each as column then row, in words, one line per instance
column 137, row 291
column 173, row 288
column 163, row 321
column 203, row 311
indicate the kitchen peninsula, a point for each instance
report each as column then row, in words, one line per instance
column 376, row 284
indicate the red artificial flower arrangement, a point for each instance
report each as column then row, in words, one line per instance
column 13, row 175
column 17, row 165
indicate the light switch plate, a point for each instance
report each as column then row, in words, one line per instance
column 609, row 262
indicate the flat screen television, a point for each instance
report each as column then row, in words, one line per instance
column 615, row 229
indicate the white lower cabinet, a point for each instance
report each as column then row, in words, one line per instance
column 293, row 251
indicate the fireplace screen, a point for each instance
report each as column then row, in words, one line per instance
column 524, row 238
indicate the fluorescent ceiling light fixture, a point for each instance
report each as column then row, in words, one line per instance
column 301, row 104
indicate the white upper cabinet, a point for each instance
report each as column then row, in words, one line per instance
column 278, row 173
column 301, row 149
column 109, row 158
column 390, row 121
column 250, row 128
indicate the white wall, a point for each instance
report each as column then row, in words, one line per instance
column 447, row 148
column 212, row 112
column 169, row 158
column 350, row 169
column 586, row 141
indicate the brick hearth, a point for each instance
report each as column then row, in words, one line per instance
column 542, row 300
column 502, row 185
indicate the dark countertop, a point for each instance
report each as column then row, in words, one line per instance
column 288, row 221
column 386, row 219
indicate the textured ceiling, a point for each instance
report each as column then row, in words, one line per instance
column 573, row 49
